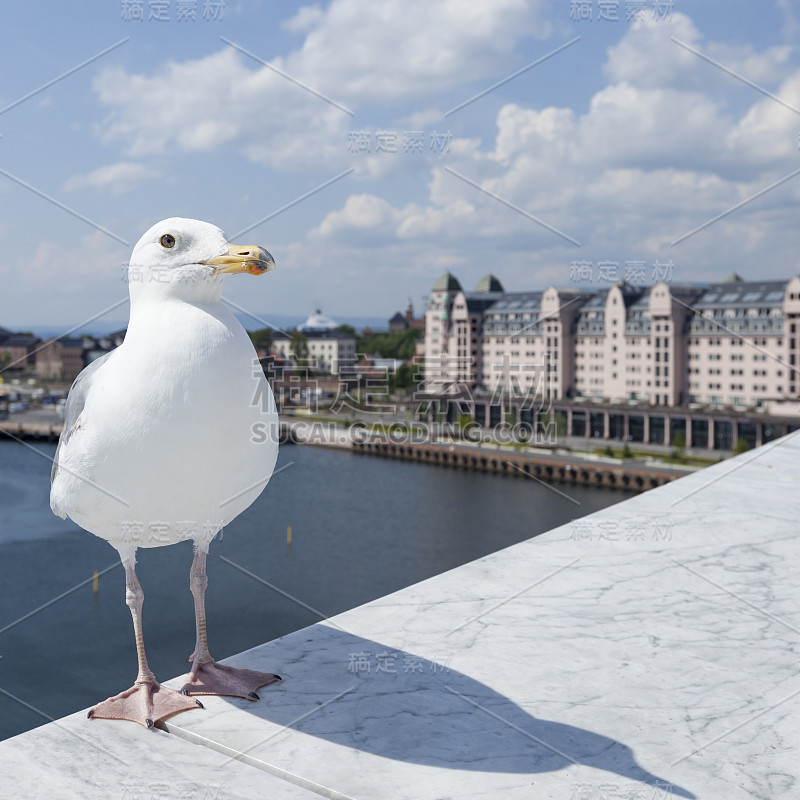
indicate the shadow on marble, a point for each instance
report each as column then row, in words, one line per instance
column 400, row 706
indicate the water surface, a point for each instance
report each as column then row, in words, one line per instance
column 362, row 527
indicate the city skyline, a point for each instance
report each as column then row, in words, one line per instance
column 372, row 150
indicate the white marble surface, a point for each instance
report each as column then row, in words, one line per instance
column 646, row 652
column 654, row 643
column 74, row 758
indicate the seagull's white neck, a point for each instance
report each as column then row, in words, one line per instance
column 195, row 285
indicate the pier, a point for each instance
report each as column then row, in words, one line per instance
column 551, row 465
column 573, row 469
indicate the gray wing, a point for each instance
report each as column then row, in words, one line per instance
column 76, row 400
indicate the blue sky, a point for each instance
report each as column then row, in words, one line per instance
column 622, row 142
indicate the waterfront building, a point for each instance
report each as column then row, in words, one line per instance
column 60, row 359
column 16, row 349
column 328, row 348
column 454, row 332
column 732, row 344
column 400, row 323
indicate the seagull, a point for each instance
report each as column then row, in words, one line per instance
column 169, row 438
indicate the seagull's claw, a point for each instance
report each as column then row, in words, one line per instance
column 220, row 679
column 146, row 702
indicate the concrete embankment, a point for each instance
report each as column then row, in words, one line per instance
column 574, row 470
column 578, row 469
column 18, row 428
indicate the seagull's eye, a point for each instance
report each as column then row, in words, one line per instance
column 167, row 240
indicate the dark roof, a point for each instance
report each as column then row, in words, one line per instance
column 447, row 283
column 730, row 294
column 643, row 300
column 9, row 339
column 480, row 301
column 733, row 277
column 18, row 340
column 398, row 317
column 630, row 294
column 489, row 283
column 516, row 301
column 597, row 302
column 329, row 334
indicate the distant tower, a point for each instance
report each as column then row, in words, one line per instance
column 409, row 312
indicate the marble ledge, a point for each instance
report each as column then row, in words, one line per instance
column 648, row 651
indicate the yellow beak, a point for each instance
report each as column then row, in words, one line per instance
column 253, row 259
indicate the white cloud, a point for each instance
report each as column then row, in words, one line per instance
column 65, row 283
column 791, row 25
column 217, row 101
column 642, row 166
column 669, row 142
column 368, row 52
column 769, row 130
column 647, row 56
column 116, row 178
column 355, row 52
column 361, row 212
column 305, row 19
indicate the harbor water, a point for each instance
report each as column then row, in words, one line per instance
column 361, row 528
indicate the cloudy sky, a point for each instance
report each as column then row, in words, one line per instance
column 371, row 146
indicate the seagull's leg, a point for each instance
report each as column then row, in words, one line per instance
column 146, row 702
column 198, row 582
column 134, row 598
column 206, row 676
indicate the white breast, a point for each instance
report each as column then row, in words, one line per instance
column 178, row 435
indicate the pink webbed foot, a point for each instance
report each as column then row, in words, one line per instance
column 218, row 679
column 145, row 702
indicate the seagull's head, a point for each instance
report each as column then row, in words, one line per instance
column 188, row 258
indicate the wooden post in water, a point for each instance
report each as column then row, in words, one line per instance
column 289, row 535
column 96, row 583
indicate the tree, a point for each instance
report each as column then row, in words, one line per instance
column 390, row 345
column 298, row 344
column 678, row 440
column 261, row 339
column 462, row 423
column 556, row 420
column 402, row 379
column 348, row 329
column 741, row 446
